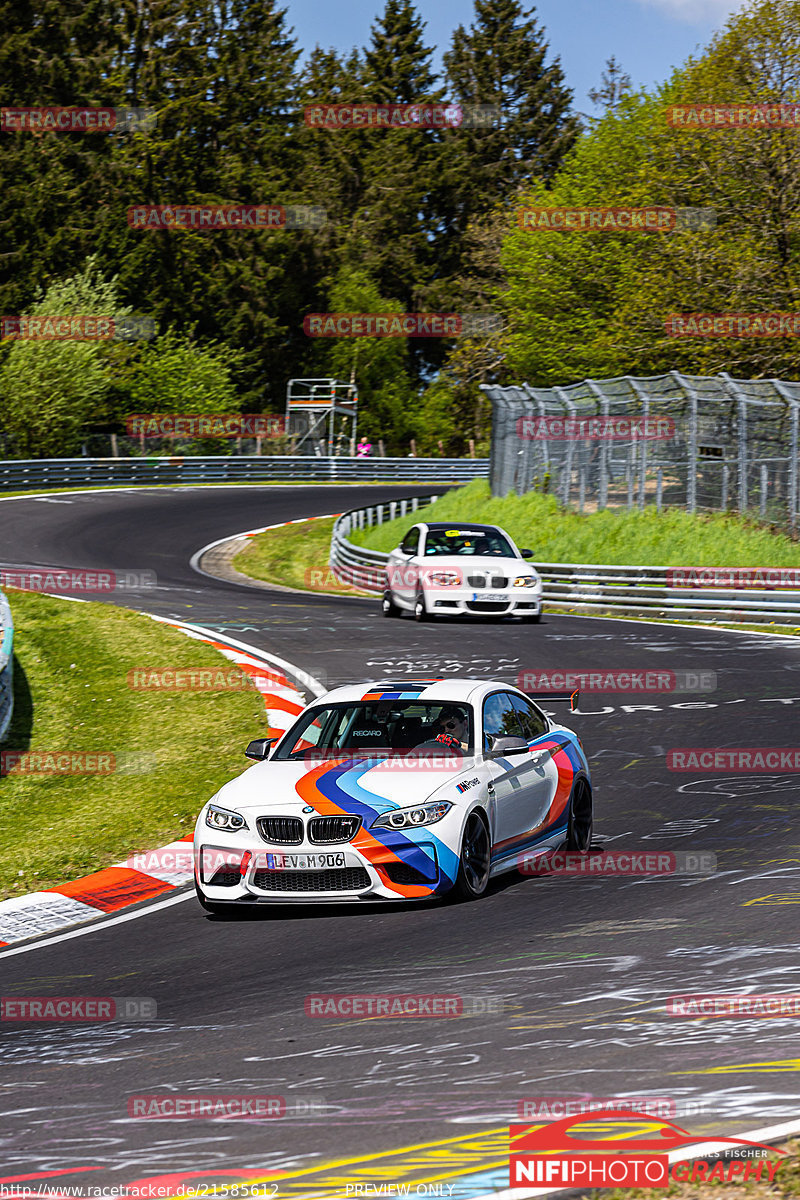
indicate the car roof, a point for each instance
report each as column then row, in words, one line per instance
column 465, row 527
column 429, row 691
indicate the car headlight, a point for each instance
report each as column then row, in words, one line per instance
column 412, row 818
column 223, row 818
column 445, row 578
column 526, row 581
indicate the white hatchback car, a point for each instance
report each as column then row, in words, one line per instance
column 461, row 569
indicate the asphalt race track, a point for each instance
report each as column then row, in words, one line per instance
column 584, row 966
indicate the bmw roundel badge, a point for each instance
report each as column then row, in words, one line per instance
column 308, row 808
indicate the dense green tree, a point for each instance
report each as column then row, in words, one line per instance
column 51, row 390
column 379, row 366
column 501, row 61
column 594, row 304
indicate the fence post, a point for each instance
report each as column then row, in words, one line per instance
column 725, row 480
column 629, row 477
column 581, row 486
column 659, row 487
column 691, row 465
column 763, row 503
column 742, row 456
column 602, row 495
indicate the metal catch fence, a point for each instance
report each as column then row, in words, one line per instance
column 701, row 442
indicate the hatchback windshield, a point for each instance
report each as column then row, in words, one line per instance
column 380, row 727
column 468, row 542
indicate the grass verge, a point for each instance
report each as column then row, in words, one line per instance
column 72, row 694
column 612, row 537
column 294, row 555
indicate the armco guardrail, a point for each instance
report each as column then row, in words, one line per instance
column 6, row 666
column 578, row 586
column 357, row 565
column 25, row 474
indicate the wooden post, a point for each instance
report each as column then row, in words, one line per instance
column 114, row 446
column 472, row 447
column 381, row 448
column 413, row 447
column 258, row 444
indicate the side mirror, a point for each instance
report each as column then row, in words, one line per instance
column 526, row 553
column 259, row 749
column 503, row 746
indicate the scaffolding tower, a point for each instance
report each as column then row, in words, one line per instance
column 322, row 415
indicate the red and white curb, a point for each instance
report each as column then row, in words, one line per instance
column 155, row 872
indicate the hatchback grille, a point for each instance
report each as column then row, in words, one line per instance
column 338, row 879
column 280, row 830
column 480, row 581
column 327, row 830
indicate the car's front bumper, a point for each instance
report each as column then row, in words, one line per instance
column 404, row 870
column 525, row 602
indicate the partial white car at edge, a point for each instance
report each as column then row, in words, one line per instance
column 461, row 569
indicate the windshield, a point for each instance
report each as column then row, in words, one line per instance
column 468, row 542
column 380, row 727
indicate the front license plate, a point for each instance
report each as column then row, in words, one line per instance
column 494, row 596
column 305, row 862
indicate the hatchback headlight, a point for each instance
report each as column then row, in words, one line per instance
column 445, row 578
column 223, row 818
column 526, row 581
column 412, row 818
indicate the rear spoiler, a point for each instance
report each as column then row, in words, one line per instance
column 572, row 697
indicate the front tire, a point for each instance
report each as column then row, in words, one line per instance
column 532, row 619
column 420, row 611
column 388, row 605
column 475, row 860
column 581, row 819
